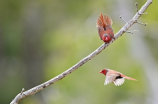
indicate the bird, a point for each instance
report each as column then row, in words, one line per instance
column 115, row 77
column 105, row 30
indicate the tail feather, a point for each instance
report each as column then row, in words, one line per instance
column 103, row 21
column 129, row 78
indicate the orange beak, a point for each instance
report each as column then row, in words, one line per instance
column 100, row 72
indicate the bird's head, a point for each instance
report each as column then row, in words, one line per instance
column 104, row 71
column 106, row 38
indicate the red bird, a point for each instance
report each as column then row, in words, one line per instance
column 113, row 76
column 104, row 28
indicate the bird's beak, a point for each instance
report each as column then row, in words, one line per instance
column 100, row 72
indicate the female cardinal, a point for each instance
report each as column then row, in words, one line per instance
column 104, row 28
column 113, row 76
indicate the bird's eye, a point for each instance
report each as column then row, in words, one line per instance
column 105, row 29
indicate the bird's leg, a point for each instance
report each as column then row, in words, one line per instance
column 112, row 37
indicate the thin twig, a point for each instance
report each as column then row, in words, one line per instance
column 136, row 6
column 22, row 91
column 138, row 9
column 132, row 32
column 36, row 89
column 144, row 24
column 123, row 19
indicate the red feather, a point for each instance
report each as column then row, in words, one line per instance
column 104, row 28
column 115, row 77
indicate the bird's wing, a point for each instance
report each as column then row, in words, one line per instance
column 113, row 72
column 100, row 30
column 110, row 78
column 119, row 81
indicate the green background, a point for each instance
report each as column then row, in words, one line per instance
column 40, row 39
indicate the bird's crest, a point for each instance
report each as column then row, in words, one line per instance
column 104, row 21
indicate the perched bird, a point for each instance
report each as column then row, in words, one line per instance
column 104, row 28
column 113, row 76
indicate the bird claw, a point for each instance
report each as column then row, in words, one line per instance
column 113, row 38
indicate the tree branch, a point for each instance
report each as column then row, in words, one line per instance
column 36, row 89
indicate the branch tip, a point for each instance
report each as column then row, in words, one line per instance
column 22, row 91
column 138, row 9
column 144, row 24
column 142, row 13
column 123, row 19
column 136, row 6
column 151, row 1
column 145, row 13
column 131, row 32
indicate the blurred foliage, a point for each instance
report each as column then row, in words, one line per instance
column 41, row 39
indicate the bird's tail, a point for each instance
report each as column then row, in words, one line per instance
column 103, row 21
column 129, row 78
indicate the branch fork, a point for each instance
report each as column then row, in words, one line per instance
column 132, row 32
column 22, row 91
column 138, row 9
column 144, row 24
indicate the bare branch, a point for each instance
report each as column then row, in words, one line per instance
column 36, row 89
column 136, row 6
column 123, row 19
column 144, row 24
column 125, row 23
column 131, row 31
column 138, row 9
column 22, row 91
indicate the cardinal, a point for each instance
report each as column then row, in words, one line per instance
column 115, row 77
column 104, row 28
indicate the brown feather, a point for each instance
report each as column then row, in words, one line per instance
column 128, row 77
column 103, row 21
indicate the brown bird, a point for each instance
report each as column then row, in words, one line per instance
column 104, row 28
column 113, row 76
